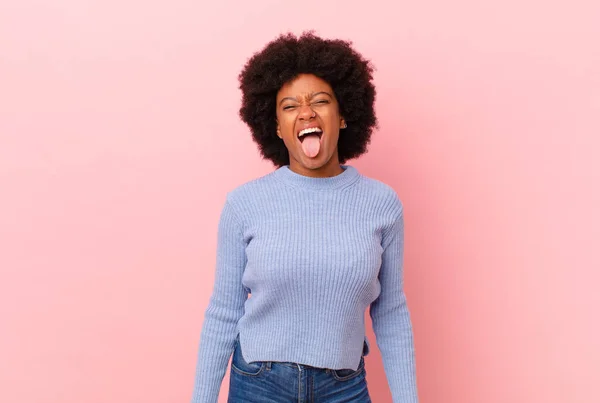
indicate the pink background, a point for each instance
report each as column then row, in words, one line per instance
column 119, row 138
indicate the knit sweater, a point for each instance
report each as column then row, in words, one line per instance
column 313, row 253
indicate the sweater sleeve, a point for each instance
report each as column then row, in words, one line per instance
column 225, row 308
column 391, row 319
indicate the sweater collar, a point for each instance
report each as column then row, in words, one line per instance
column 289, row 177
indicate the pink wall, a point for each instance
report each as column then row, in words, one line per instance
column 119, row 137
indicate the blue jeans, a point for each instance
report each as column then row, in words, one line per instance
column 287, row 382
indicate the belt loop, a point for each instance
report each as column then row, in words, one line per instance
column 268, row 365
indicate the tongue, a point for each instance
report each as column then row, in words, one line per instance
column 311, row 145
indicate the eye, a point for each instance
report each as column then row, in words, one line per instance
column 321, row 102
column 288, row 107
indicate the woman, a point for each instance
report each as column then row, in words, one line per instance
column 314, row 242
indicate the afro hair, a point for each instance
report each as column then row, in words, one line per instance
column 345, row 70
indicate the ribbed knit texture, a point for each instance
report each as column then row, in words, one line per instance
column 314, row 253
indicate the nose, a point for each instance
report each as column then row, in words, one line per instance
column 306, row 112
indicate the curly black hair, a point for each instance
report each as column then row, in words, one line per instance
column 335, row 61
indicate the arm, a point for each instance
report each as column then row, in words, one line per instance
column 225, row 308
column 391, row 319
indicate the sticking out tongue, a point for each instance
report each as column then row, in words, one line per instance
column 311, row 144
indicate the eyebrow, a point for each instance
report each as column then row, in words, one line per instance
column 312, row 96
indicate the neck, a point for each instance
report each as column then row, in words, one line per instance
column 347, row 177
column 331, row 168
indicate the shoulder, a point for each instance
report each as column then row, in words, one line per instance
column 251, row 189
column 384, row 194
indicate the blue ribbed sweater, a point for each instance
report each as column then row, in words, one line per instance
column 313, row 253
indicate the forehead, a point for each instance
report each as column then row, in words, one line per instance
column 303, row 85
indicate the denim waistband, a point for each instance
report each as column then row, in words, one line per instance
column 305, row 366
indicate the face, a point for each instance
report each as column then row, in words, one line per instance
column 308, row 122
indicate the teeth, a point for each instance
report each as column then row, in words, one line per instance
column 310, row 130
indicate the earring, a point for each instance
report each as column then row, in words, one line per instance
column 345, row 125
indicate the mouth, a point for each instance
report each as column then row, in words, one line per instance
column 310, row 131
column 310, row 140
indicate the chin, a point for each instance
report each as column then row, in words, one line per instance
column 314, row 163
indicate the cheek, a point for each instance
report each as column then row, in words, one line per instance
column 331, row 117
column 286, row 124
column 286, row 129
column 332, row 121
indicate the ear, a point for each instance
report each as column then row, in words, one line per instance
column 343, row 124
column 278, row 130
